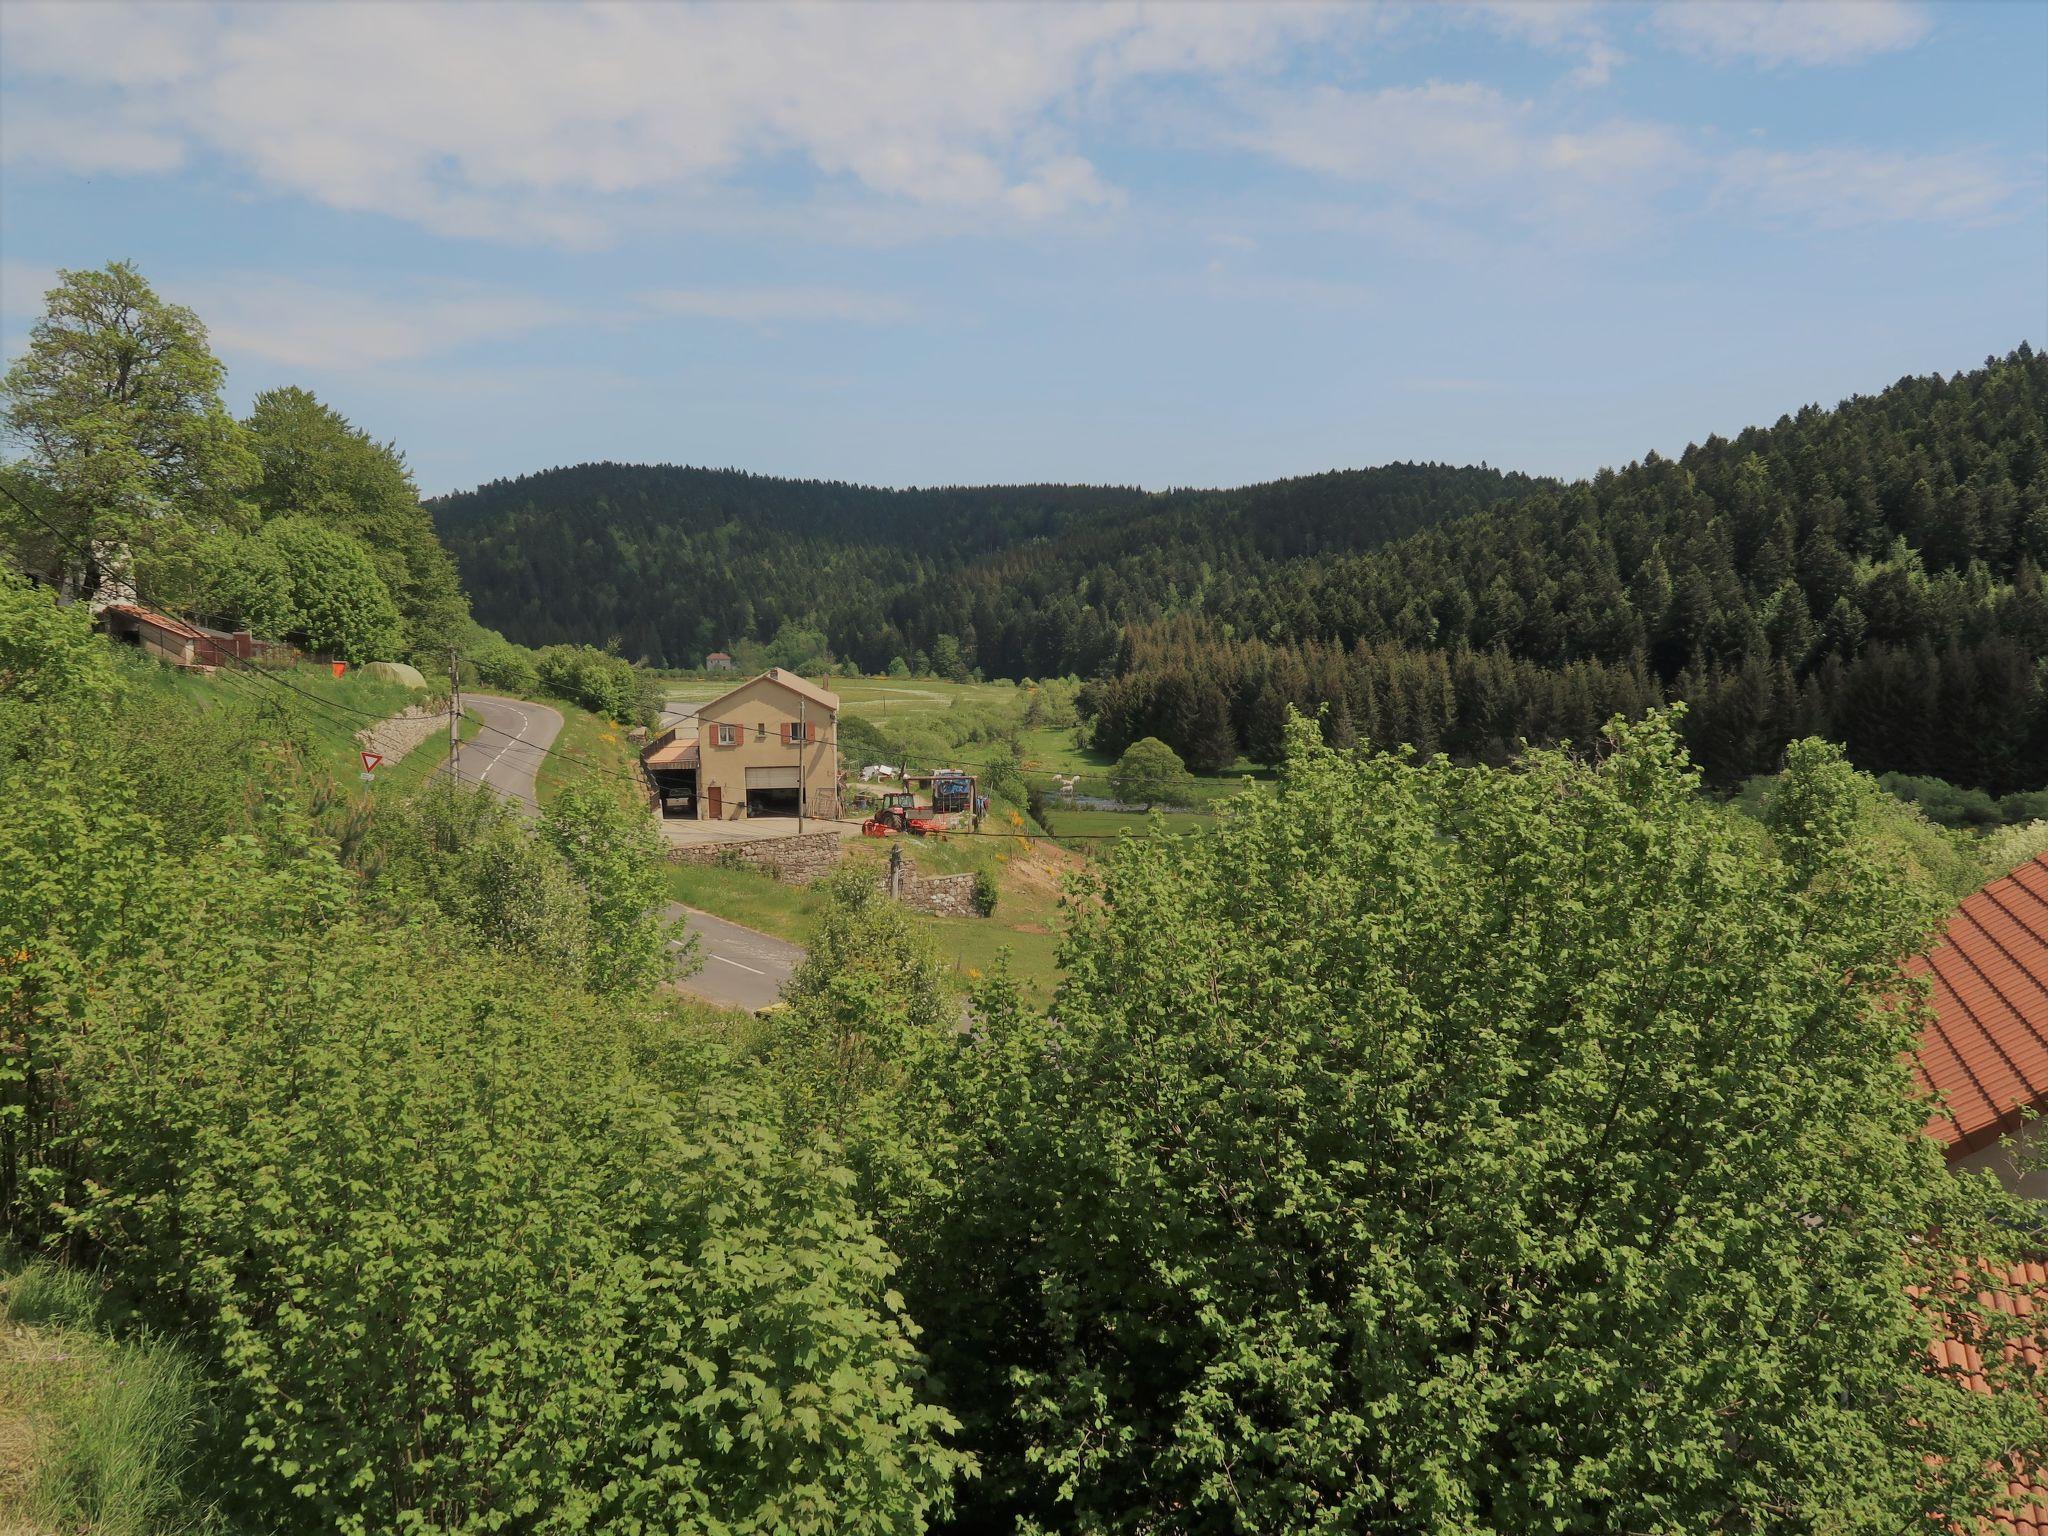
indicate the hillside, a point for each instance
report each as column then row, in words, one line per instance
column 673, row 562
column 1871, row 574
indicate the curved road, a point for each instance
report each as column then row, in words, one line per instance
column 742, row 968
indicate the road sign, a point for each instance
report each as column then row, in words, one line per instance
column 371, row 760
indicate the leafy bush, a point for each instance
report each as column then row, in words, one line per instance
column 1441, row 1149
column 1942, row 802
column 462, row 1244
column 986, row 893
column 337, row 598
column 1151, row 773
column 601, row 682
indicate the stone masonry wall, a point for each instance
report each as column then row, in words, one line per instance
column 792, row 860
column 940, row 895
column 414, row 724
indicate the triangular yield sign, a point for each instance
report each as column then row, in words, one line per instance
column 371, row 760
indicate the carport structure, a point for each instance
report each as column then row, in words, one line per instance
column 671, row 764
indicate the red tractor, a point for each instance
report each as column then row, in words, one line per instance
column 900, row 812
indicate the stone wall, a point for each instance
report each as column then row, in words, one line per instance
column 414, row 724
column 939, row 895
column 792, row 860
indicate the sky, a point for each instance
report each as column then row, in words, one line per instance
column 1162, row 245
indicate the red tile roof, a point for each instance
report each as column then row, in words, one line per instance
column 1986, row 1052
column 2025, row 1294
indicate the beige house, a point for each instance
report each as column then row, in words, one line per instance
column 769, row 747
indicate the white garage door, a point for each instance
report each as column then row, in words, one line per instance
column 772, row 778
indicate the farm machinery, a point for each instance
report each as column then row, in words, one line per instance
column 953, row 794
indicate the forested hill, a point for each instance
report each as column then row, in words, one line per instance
column 673, row 562
column 1870, row 573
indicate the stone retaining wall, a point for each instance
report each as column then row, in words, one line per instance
column 792, row 860
column 407, row 729
column 939, row 895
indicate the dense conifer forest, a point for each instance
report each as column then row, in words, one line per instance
column 1870, row 573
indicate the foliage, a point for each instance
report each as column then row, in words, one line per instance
column 864, row 1011
column 986, row 893
column 316, row 465
column 116, row 407
column 338, row 601
column 461, row 1243
column 499, row 663
column 1025, row 580
column 2009, row 847
column 1914, row 523
column 1449, row 1149
column 1151, row 773
column 613, row 851
column 600, row 681
column 861, row 744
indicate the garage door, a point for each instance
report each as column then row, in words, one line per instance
column 772, row 778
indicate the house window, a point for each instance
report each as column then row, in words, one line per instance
column 728, row 735
column 793, row 733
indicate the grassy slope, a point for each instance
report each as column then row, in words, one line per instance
column 330, row 709
column 588, row 746
column 96, row 1431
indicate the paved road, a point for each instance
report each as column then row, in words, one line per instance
column 741, row 969
column 508, row 750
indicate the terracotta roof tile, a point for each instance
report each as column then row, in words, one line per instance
column 2023, row 1292
column 1986, row 1051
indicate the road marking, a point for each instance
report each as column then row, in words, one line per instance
column 525, row 721
column 724, row 961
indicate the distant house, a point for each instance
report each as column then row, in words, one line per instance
column 177, row 641
column 769, row 747
column 718, row 661
column 1986, row 1051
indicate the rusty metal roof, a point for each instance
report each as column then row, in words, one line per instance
column 155, row 620
column 677, row 753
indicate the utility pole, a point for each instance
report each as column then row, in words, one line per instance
column 454, row 714
column 803, row 736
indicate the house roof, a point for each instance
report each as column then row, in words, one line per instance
column 789, row 680
column 155, row 620
column 1986, row 1050
column 2024, row 1288
column 718, row 656
column 680, row 752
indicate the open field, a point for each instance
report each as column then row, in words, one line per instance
column 1026, row 918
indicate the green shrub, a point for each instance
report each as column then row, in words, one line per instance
column 1444, row 1149
column 985, row 893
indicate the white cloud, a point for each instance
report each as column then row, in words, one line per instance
column 534, row 121
column 1779, row 32
column 337, row 328
column 1464, row 145
column 22, row 286
column 1842, row 187
column 769, row 305
column 82, row 143
column 1557, row 26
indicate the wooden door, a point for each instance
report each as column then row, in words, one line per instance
column 711, row 801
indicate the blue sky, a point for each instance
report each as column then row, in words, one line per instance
column 1161, row 245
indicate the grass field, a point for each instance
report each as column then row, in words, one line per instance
column 96, row 1431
